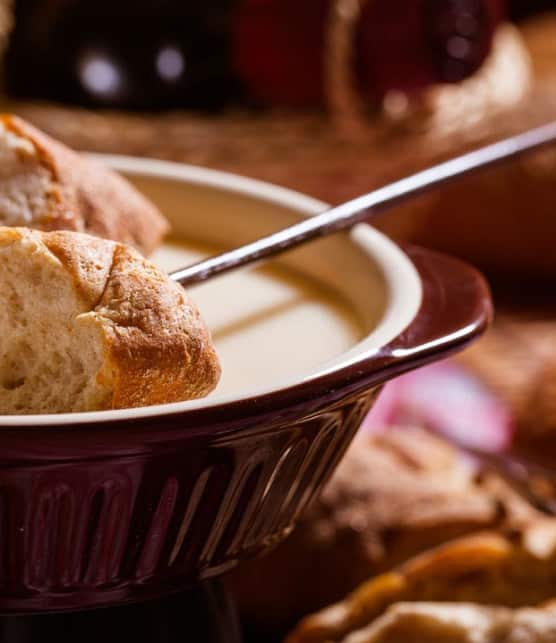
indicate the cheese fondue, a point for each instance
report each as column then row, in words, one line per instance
column 268, row 323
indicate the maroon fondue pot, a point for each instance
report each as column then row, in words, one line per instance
column 109, row 507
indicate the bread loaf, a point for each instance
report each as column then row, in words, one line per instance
column 440, row 593
column 45, row 185
column 88, row 324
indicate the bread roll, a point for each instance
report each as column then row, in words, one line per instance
column 45, row 185
column 440, row 591
column 89, row 324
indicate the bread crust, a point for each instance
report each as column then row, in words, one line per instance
column 460, row 623
column 483, row 569
column 88, row 197
column 157, row 348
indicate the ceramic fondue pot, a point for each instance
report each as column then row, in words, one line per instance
column 102, row 508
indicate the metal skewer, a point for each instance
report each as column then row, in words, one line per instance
column 362, row 208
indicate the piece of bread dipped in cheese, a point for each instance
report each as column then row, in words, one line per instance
column 89, row 324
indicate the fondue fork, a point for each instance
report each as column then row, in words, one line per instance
column 533, row 481
column 360, row 209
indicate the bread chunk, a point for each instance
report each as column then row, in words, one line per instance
column 440, row 593
column 45, row 185
column 89, row 324
column 460, row 623
column 397, row 497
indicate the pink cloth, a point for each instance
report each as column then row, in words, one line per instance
column 448, row 400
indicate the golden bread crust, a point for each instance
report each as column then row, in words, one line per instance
column 87, row 259
column 459, row 623
column 157, row 342
column 156, row 348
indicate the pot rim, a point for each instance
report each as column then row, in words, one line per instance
column 362, row 365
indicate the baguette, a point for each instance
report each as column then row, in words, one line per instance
column 89, row 324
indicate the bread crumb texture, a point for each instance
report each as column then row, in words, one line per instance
column 89, row 324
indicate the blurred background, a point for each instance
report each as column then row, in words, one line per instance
column 330, row 97
column 166, row 54
column 334, row 98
